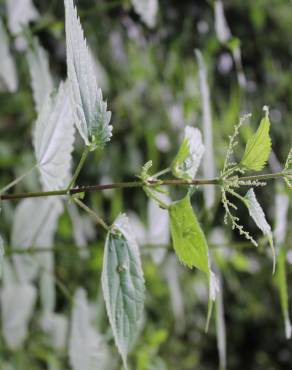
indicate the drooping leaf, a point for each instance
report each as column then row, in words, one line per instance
column 123, row 285
column 209, row 161
column 41, row 79
column 91, row 115
column 283, row 291
column 190, row 244
column 8, row 74
column 147, row 10
column 188, row 158
column 188, row 238
column 85, row 350
column 258, row 147
column 257, row 214
column 53, row 140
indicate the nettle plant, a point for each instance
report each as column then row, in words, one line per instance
column 78, row 103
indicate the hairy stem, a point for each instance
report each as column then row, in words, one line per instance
column 136, row 184
column 97, row 219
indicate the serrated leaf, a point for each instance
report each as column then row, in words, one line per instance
column 257, row 214
column 53, row 140
column 188, row 158
column 8, row 74
column 258, row 147
column 41, row 79
column 283, row 291
column 188, row 238
column 91, row 115
column 190, row 243
column 147, row 9
column 123, row 285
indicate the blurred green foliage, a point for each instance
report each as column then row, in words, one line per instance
column 152, row 90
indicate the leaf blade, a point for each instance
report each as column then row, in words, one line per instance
column 91, row 115
column 123, row 285
column 258, row 147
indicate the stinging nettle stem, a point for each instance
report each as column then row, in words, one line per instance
column 135, row 184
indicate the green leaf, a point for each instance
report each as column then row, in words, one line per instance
column 257, row 214
column 190, row 244
column 188, row 158
column 123, row 285
column 283, row 291
column 188, row 238
column 258, row 147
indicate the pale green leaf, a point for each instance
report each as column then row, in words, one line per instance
column 283, row 291
column 91, row 115
column 54, row 138
column 257, row 214
column 258, row 147
column 187, row 161
column 123, row 285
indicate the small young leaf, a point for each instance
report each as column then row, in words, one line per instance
column 53, row 140
column 283, row 291
column 257, row 214
column 91, row 115
column 258, row 147
column 123, row 285
column 41, row 79
column 188, row 158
